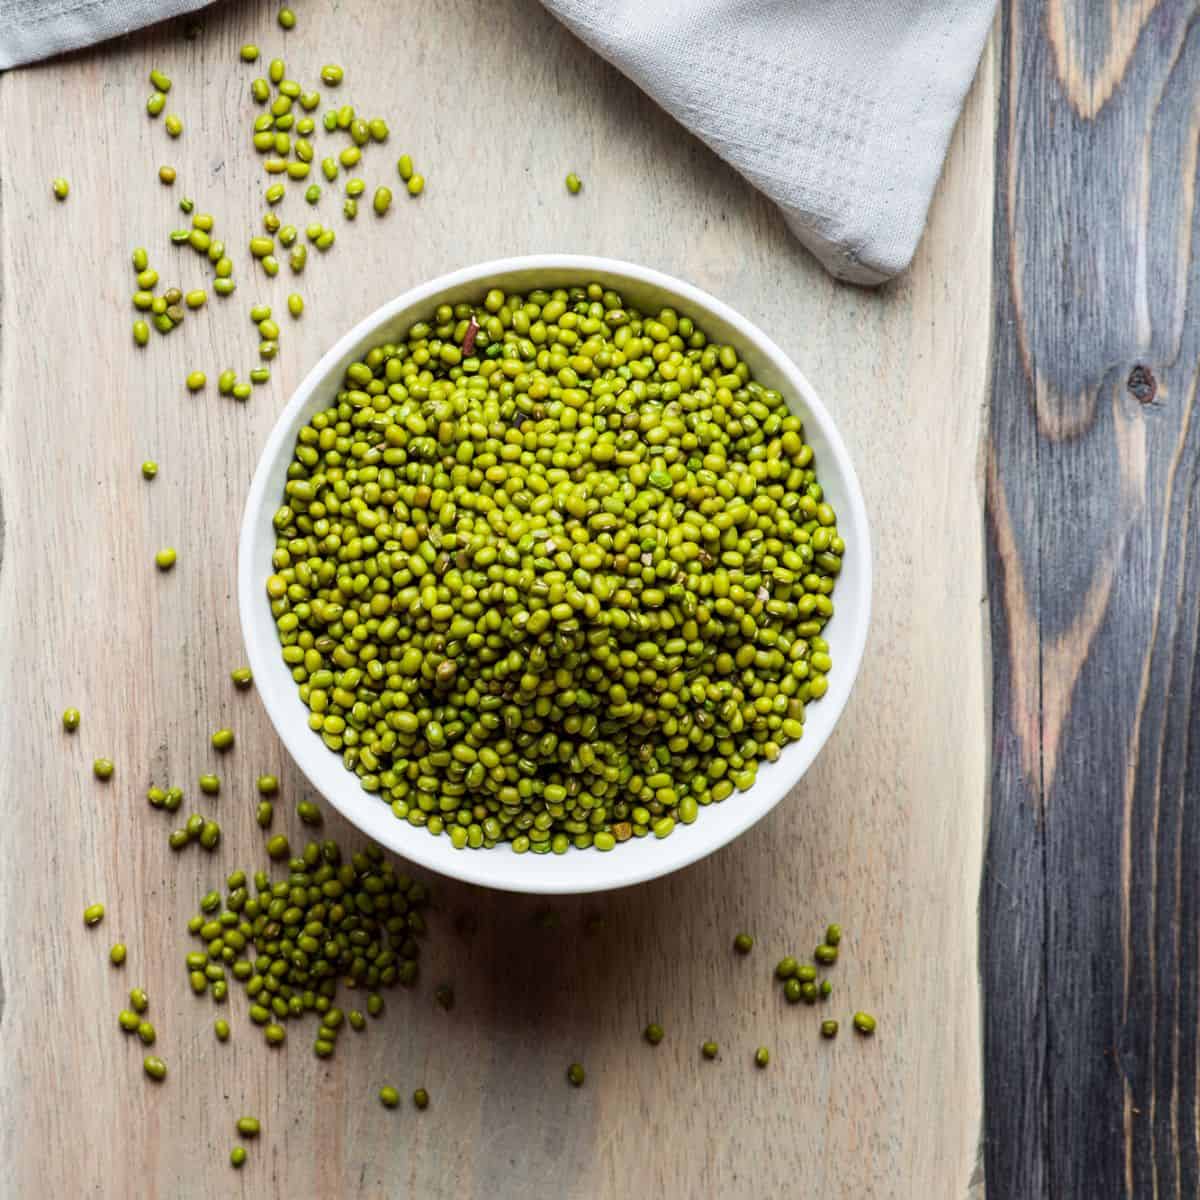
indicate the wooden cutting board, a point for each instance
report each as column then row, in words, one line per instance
column 496, row 103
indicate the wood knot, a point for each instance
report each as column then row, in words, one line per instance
column 1142, row 385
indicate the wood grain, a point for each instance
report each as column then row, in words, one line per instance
column 1090, row 896
column 496, row 103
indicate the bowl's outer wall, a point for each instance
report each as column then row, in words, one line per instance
column 575, row 871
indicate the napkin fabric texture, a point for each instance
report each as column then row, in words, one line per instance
column 35, row 29
column 840, row 111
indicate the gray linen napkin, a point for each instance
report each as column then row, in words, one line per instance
column 839, row 110
column 34, row 29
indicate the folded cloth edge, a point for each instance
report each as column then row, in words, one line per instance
column 866, row 256
column 29, row 33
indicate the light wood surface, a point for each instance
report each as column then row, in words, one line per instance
column 496, row 103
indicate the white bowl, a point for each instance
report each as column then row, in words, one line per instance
column 586, row 870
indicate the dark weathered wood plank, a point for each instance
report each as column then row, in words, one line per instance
column 1090, row 902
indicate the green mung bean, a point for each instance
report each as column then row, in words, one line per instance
column 70, row 719
column 93, row 914
column 166, row 175
column 389, row 1097
column 574, row 184
column 864, row 1023
column 641, row 640
column 210, row 785
column 117, row 954
column 287, row 18
column 710, row 1050
column 421, row 1096
column 61, row 188
column 173, row 125
column 155, row 1067
column 103, row 768
column 762, row 1056
column 575, row 1074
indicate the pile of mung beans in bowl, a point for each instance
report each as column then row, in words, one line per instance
column 555, row 574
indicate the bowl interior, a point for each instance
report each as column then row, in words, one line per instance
column 575, row 871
